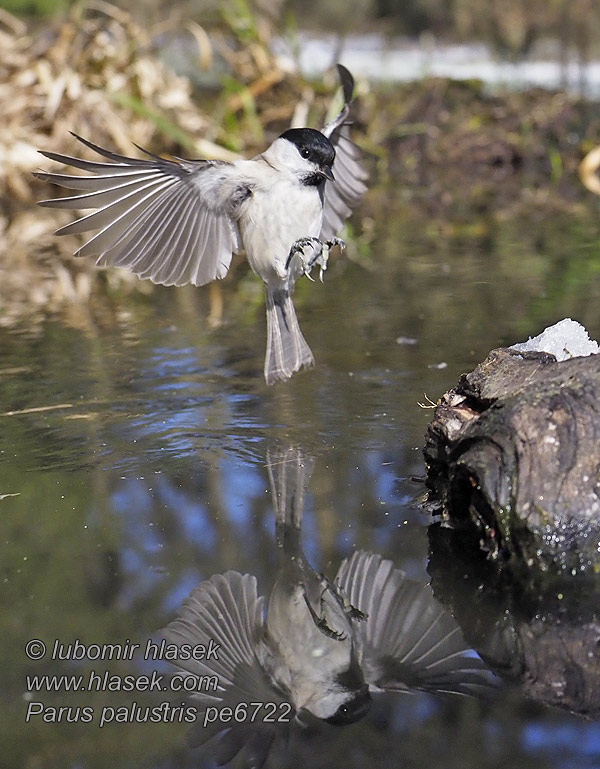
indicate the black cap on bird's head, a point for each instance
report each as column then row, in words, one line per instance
column 314, row 146
column 352, row 710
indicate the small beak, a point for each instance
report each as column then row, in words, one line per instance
column 326, row 172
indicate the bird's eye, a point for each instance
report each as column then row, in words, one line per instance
column 305, row 152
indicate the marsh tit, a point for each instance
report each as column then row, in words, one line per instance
column 314, row 647
column 179, row 221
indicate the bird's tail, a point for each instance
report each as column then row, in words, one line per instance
column 289, row 471
column 287, row 350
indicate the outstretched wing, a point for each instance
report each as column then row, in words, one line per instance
column 225, row 614
column 345, row 193
column 409, row 641
column 224, row 611
column 167, row 220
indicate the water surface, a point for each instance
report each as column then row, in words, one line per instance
column 133, row 444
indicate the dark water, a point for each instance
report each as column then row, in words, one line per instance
column 133, row 445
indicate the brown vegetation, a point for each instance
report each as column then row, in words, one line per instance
column 96, row 75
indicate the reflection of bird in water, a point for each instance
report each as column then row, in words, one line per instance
column 309, row 644
column 179, row 221
column 314, row 646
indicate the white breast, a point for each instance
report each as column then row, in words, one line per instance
column 279, row 212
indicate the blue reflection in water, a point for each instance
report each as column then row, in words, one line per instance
column 311, row 538
column 241, row 483
column 141, row 580
column 192, row 515
column 167, row 361
column 189, row 580
column 572, row 746
column 132, row 498
column 411, row 709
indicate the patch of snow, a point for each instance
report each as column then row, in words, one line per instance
column 565, row 339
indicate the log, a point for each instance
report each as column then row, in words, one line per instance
column 513, row 453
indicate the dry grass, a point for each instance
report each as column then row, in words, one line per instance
column 95, row 75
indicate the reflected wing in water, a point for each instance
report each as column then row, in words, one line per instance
column 409, row 642
column 226, row 610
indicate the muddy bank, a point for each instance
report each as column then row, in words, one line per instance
column 464, row 154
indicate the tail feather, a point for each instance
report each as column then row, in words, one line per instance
column 287, row 350
column 289, row 473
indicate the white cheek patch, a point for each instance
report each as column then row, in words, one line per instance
column 285, row 156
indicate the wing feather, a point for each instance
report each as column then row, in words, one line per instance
column 130, row 220
column 409, row 641
column 227, row 610
column 169, row 273
column 124, row 207
column 345, row 193
column 166, row 220
column 103, row 197
column 159, row 263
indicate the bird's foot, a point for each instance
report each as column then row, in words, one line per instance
column 320, row 620
column 351, row 611
column 297, row 252
column 319, row 256
column 323, row 626
column 323, row 257
column 355, row 613
column 329, row 632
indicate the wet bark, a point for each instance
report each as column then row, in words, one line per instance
column 541, row 637
column 513, row 451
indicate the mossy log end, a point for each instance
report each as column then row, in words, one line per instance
column 514, row 449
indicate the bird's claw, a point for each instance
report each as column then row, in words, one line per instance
column 351, row 611
column 321, row 256
column 320, row 620
column 357, row 614
column 337, row 242
column 322, row 260
column 297, row 249
column 326, row 630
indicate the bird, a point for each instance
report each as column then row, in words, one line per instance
column 313, row 648
column 178, row 221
